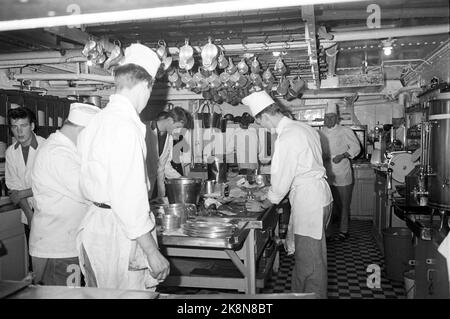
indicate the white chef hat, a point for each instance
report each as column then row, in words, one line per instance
column 81, row 114
column 257, row 101
column 143, row 56
column 331, row 106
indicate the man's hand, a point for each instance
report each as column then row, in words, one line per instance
column 340, row 157
column 17, row 195
column 14, row 195
column 159, row 266
column 256, row 206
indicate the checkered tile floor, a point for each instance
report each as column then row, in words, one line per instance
column 347, row 265
column 347, row 270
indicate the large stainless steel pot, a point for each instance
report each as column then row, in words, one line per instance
column 439, row 152
column 183, row 190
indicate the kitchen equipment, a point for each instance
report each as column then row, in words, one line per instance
column 217, row 169
column 210, row 187
column 183, row 211
column 92, row 99
column 401, row 164
column 439, row 152
column 183, row 190
column 258, row 179
column 208, row 229
column 210, row 118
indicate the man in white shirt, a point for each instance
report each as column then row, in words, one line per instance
column 297, row 169
column 117, row 237
column 159, row 143
column 19, row 161
column 339, row 146
column 60, row 206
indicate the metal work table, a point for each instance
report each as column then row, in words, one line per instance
column 244, row 249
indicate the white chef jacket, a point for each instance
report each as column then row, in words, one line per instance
column 60, row 206
column 113, row 151
column 297, row 167
column 338, row 140
column 17, row 174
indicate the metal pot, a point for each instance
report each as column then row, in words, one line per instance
column 93, row 99
column 183, row 190
column 165, row 214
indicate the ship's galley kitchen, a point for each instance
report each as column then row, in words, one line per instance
column 224, row 149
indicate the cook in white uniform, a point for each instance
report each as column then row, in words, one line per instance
column 339, row 145
column 60, row 206
column 159, row 143
column 297, row 168
column 19, row 161
column 117, row 238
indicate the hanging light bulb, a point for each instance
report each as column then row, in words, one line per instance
column 387, row 46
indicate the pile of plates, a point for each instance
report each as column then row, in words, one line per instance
column 208, row 229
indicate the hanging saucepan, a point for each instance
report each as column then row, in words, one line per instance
column 222, row 61
column 115, row 56
column 173, row 76
column 185, row 76
column 255, row 67
column 231, row 67
column 214, row 80
column 209, row 53
column 224, row 77
column 256, row 79
column 186, row 56
column 163, row 54
column 242, row 67
column 283, row 86
column 268, row 76
column 280, row 67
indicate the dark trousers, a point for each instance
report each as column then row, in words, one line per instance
column 342, row 198
column 27, row 236
column 310, row 274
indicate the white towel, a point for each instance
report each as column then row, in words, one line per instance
column 444, row 249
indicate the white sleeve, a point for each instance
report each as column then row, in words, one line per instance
column 127, row 182
column 283, row 170
column 12, row 178
column 352, row 142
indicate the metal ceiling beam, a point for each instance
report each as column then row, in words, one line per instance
column 310, row 37
column 72, row 34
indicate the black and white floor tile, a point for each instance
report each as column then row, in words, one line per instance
column 347, row 270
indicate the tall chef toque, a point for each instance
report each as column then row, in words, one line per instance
column 143, row 56
column 331, row 107
column 258, row 101
column 81, row 114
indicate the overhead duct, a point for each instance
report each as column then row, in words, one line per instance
column 389, row 33
column 66, row 76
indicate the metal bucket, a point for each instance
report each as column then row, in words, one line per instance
column 183, row 190
column 439, row 152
